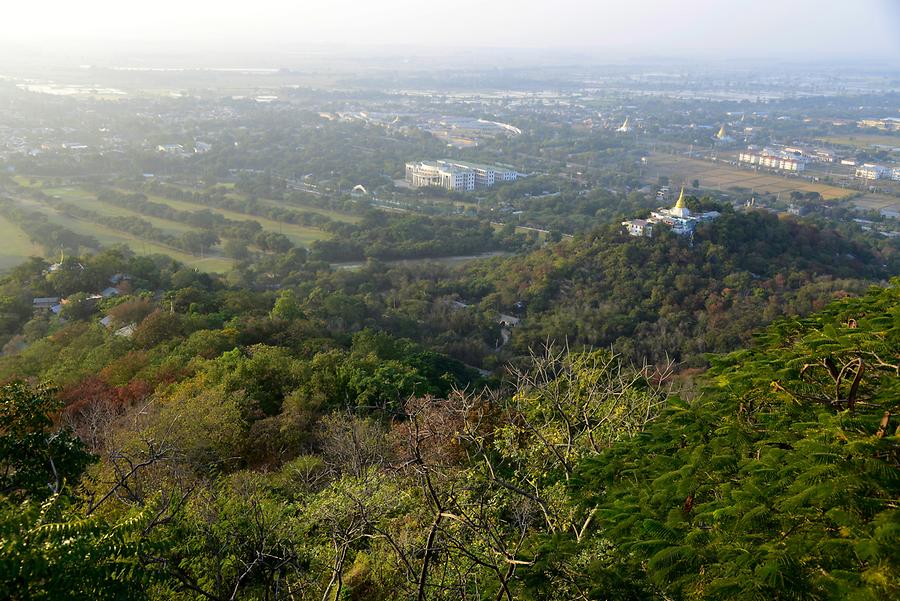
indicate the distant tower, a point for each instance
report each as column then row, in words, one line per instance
column 625, row 127
column 723, row 136
column 680, row 209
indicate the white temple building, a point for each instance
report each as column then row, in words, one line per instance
column 679, row 219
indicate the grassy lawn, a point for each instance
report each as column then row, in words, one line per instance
column 442, row 200
column 864, row 140
column 87, row 200
column 335, row 215
column 107, row 237
column 449, row 261
column 302, row 207
column 298, row 234
column 16, row 246
column 28, row 182
column 521, row 229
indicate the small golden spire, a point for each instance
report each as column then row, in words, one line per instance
column 721, row 133
column 679, row 204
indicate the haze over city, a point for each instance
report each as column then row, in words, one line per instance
column 801, row 30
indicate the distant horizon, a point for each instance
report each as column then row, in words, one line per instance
column 803, row 31
column 413, row 56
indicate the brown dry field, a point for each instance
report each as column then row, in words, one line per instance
column 878, row 202
column 727, row 178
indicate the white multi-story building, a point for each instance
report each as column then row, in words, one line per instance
column 886, row 124
column 823, row 156
column 639, row 227
column 456, row 175
column 774, row 159
column 425, row 174
column 870, row 171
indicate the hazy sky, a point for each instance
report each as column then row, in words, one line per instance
column 802, row 29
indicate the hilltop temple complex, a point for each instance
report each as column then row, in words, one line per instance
column 679, row 219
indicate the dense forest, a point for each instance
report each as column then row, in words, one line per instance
column 646, row 297
column 229, row 444
column 677, row 297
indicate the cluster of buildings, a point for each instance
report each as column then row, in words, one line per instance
column 180, row 150
column 886, row 124
column 679, row 219
column 457, row 131
column 786, row 158
column 872, row 171
column 54, row 304
column 773, row 158
column 456, row 175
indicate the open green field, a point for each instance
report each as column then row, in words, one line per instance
column 730, row 179
column 865, row 140
column 521, row 229
column 335, row 215
column 449, row 261
column 16, row 247
column 451, row 202
column 27, row 181
column 234, row 194
column 85, row 199
column 298, row 234
column 108, row 237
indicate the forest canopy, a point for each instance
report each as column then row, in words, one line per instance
column 211, row 465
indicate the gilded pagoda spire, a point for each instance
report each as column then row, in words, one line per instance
column 679, row 204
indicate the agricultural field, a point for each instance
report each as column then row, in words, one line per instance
column 734, row 179
column 864, row 140
column 878, row 202
column 16, row 246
